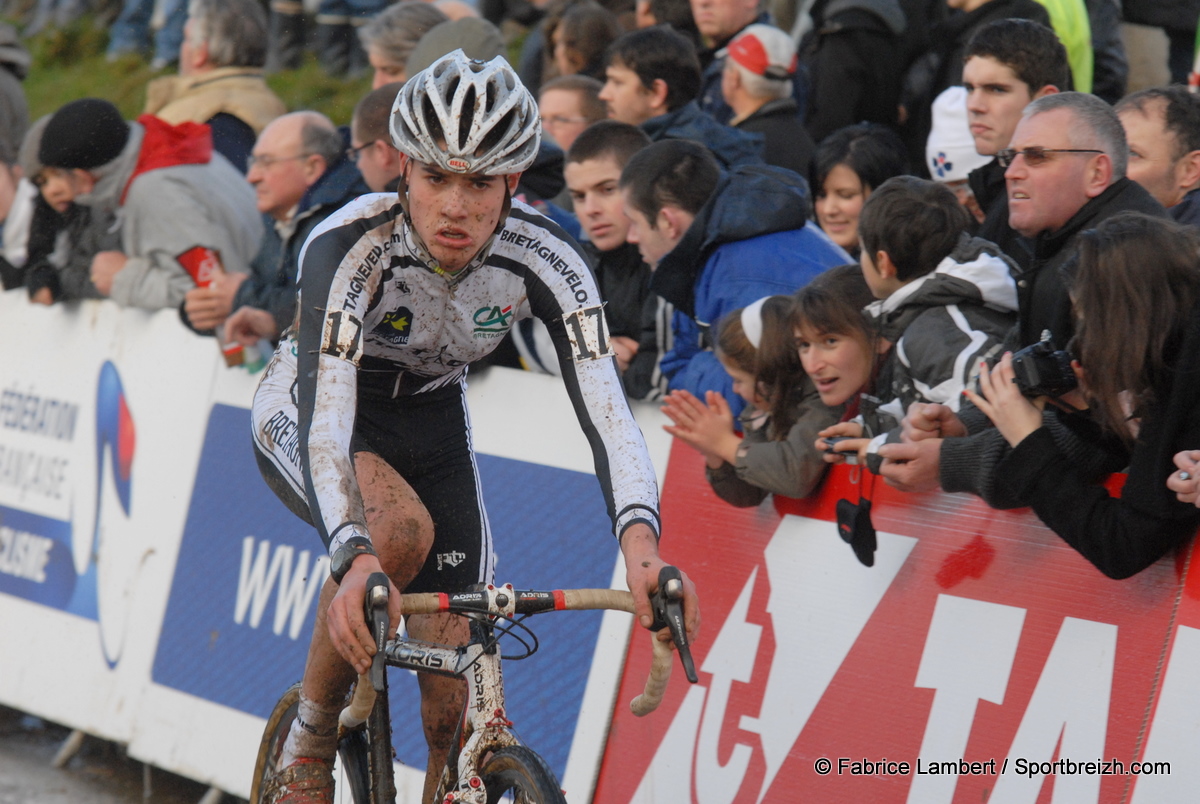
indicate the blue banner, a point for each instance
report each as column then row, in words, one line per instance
column 243, row 599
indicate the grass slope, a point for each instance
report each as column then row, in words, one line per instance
column 69, row 64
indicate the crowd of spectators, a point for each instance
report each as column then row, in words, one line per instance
column 978, row 165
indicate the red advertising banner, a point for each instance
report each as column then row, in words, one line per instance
column 979, row 659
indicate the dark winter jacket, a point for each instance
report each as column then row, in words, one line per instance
column 624, row 282
column 1178, row 14
column 786, row 142
column 1042, row 290
column 753, row 238
column 730, row 146
column 644, row 379
column 970, row 463
column 1187, row 211
column 272, row 282
column 1110, row 66
column 852, row 62
column 1124, row 535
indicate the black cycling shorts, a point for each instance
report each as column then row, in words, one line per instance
column 426, row 438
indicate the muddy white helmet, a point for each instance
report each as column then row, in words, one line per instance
column 467, row 116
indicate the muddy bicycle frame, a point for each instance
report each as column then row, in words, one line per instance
column 484, row 727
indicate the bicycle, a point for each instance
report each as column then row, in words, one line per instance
column 487, row 759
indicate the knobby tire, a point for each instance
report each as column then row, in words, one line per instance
column 274, row 735
column 367, row 758
column 526, row 775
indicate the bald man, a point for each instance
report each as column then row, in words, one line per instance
column 300, row 175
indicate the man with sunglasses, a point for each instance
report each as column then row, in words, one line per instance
column 1065, row 173
column 301, row 175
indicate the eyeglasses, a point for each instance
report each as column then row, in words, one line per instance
column 265, row 162
column 1036, row 155
column 562, row 120
column 353, row 153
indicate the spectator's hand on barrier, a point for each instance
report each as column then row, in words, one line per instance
column 930, row 420
column 707, row 427
column 105, row 267
column 249, row 325
column 1186, row 482
column 912, row 466
column 42, row 296
column 626, row 350
column 1014, row 415
column 347, row 626
column 207, row 307
column 642, row 563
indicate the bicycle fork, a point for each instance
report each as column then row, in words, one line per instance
column 485, row 726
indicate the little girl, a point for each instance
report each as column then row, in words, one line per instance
column 757, row 345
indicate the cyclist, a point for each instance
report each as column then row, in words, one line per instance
column 360, row 422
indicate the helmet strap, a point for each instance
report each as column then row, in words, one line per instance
column 505, row 208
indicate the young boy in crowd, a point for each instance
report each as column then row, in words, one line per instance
column 637, row 319
column 593, row 173
column 945, row 302
column 1009, row 64
column 652, row 80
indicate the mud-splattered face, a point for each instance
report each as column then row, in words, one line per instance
column 454, row 213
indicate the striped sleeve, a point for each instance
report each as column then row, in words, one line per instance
column 563, row 293
column 338, row 281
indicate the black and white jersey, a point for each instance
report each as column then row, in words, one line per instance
column 374, row 316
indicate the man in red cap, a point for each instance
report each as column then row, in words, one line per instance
column 760, row 64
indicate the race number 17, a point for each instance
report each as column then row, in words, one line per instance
column 588, row 333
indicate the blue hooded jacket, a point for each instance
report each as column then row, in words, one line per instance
column 730, row 146
column 752, row 238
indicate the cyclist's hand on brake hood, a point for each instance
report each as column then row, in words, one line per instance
column 642, row 564
column 347, row 626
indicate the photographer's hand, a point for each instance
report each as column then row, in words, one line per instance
column 1014, row 415
column 1186, row 482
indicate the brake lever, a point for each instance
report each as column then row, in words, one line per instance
column 375, row 607
column 667, row 606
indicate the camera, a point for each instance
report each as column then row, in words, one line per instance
column 1043, row 370
column 831, row 447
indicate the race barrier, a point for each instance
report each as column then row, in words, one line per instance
column 153, row 592
column 980, row 659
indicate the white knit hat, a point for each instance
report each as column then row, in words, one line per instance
column 950, row 150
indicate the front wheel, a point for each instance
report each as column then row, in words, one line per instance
column 517, row 774
column 271, row 747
